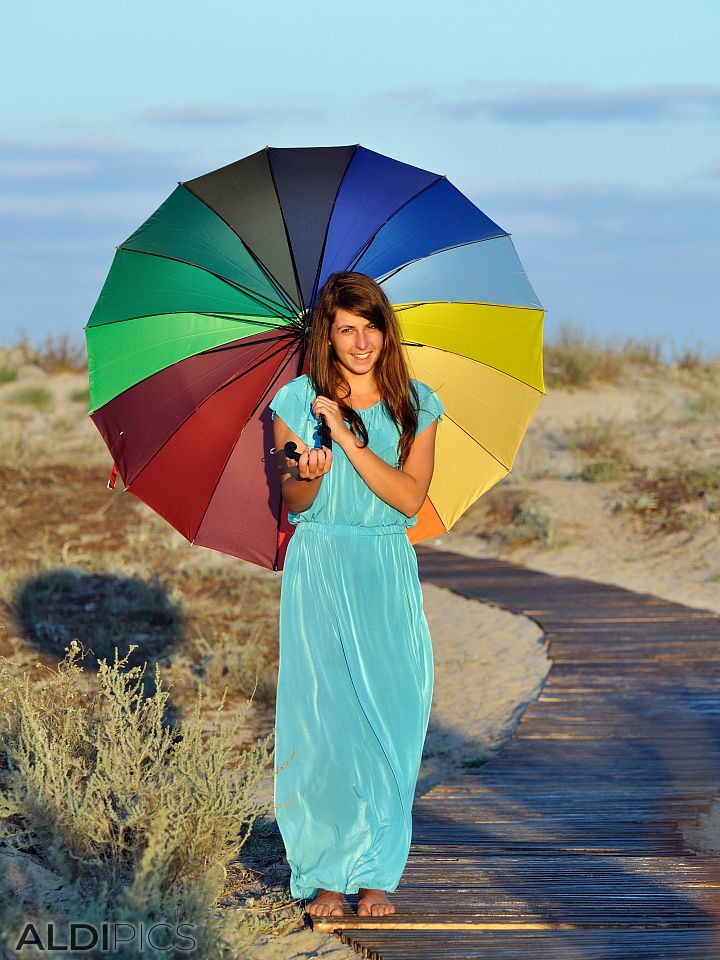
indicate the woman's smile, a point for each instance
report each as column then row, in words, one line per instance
column 357, row 341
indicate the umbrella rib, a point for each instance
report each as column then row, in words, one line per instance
column 327, row 226
column 303, row 306
column 453, row 246
column 258, row 298
column 370, row 239
column 200, row 313
column 292, row 305
column 195, row 409
column 464, row 356
column 411, row 305
column 224, row 467
column 481, row 445
column 482, row 363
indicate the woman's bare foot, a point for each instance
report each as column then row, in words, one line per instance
column 326, row 903
column 374, row 903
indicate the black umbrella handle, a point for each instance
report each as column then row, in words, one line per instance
column 325, row 437
column 290, row 448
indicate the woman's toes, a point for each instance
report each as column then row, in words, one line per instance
column 324, row 906
column 375, row 904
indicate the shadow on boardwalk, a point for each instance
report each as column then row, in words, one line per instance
column 569, row 843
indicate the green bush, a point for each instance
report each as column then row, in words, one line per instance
column 7, row 375
column 532, row 524
column 36, row 397
column 602, row 471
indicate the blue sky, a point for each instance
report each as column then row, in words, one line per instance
column 589, row 133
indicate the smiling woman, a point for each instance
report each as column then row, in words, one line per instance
column 356, row 667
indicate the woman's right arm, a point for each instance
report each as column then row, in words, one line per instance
column 300, row 481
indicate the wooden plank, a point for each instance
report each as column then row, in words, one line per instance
column 568, row 843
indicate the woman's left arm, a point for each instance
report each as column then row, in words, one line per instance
column 405, row 489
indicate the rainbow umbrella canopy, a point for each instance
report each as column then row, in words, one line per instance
column 204, row 312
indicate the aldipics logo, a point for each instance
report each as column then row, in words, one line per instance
column 109, row 937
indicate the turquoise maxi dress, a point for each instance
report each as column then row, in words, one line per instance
column 355, row 676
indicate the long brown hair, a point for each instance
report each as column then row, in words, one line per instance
column 359, row 294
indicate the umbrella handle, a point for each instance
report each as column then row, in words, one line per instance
column 290, row 450
column 325, row 437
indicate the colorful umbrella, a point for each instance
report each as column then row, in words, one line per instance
column 202, row 319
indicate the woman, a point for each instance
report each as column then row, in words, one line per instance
column 355, row 677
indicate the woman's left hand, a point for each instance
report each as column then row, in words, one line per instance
column 333, row 417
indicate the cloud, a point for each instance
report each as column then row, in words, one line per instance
column 94, row 164
column 578, row 104
column 39, row 169
column 210, row 115
column 77, row 206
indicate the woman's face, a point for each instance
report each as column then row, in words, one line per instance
column 357, row 342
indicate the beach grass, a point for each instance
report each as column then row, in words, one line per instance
column 601, row 438
column 672, row 500
column 575, row 358
column 56, row 353
column 37, row 397
column 136, row 818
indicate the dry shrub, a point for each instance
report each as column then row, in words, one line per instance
column 669, row 501
column 693, row 359
column 137, row 821
column 605, row 438
column 706, row 402
column 575, row 358
column 17, row 452
column 58, row 353
column 239, row 660
column 513, row 514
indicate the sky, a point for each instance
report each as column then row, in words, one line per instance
column 590, row 134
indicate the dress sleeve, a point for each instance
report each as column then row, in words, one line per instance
column 431, row 407
column 289, row 406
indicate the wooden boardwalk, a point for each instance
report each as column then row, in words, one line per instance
column 568, row 844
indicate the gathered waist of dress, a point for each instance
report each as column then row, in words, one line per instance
column 349, row 529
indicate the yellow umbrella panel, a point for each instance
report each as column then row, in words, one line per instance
column 485, row 362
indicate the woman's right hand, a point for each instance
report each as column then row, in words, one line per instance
column 314, row 463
